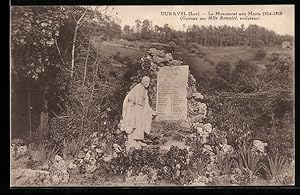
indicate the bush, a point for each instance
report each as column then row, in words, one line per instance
column 257, row 43
column 117, row 56
column 132, row 37
column 72, row 147
column 248, row 110
column 172, row 46
column 260, row 54
column 247, row 159
column 172, row 165
column 224, row 76
column 274, row 166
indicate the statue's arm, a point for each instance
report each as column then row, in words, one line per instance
column 153, row 112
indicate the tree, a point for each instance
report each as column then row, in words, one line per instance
column 244, row 77
column 80, row 16
column 167, row 31
column 115, row 30
column 43, row 52
column 253, row 35
column 34, row 39
column 138, row 26
column 224, row 70
column 146, row 29
column 35, row 53
column 126, row 29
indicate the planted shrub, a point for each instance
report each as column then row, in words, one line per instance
column 247, row 160
column 274, row 166
column 72, row 147
column 224, row 162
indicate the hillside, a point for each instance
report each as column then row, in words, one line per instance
column 204, row 60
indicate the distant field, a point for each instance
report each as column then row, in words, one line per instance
column 213, row 55
column 230, row 54
column 111, row 48
column 198, row 63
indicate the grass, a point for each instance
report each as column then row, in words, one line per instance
column 230, row 54
column 73, row 147
column 247, row 159
column 223, row 161
column 275, row 166
column 111, row 49
column 48, row 154
column 201, row 167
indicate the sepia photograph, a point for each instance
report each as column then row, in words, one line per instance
column 160, row 95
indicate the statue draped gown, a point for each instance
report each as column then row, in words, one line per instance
column 136, row 113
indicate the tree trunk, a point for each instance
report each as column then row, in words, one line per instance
column 73, row 50
column 86, row 62
column 44, row 118
column 29, row 112
column 29, row 117
column 78, row 24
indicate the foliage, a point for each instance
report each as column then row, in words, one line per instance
column 244, row 77
column 46, row 154
column 117, row 166
column 50, row 153
column 254, row 35
column 172, row 165
column 86, row 108
column 224, row 75
column 257, row 43
column 274, row 167
column 44, row 50
column 253, row 103
column 34, row 34
column 287, row 176
column 198, row 160
column 140, row 158
column 72, row 147
column 247, row 159
column 201, row 167
column 146, row 29
column 260, row 54
column 223, row 161
column 172, row 46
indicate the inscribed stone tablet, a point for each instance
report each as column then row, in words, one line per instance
column 171, row 102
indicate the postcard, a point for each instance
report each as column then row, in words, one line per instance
column 189, row 95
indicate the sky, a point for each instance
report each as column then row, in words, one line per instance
column 281, row 24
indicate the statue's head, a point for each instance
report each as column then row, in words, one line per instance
column 146, row 81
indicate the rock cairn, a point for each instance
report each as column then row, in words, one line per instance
column 197, row 109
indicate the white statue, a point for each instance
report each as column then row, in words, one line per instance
column 137, row 113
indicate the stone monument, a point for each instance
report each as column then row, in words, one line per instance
column 171, row 101
column 173, row 94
